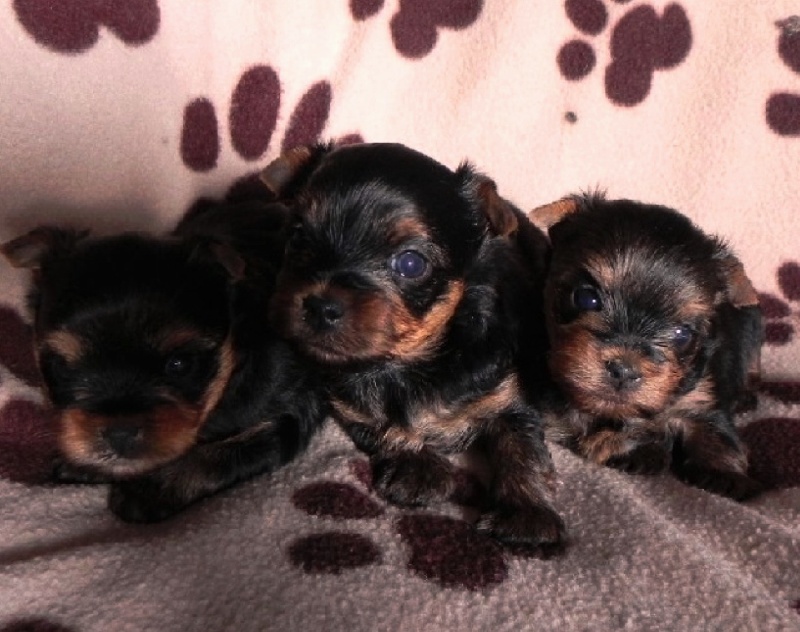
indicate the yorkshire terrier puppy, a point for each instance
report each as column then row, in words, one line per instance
column 156, row 358
column 655, row 335
column 401, row 280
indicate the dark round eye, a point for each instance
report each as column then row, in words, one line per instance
column 296, row 235
column 409, row 264
column 586, row 299
column 177, row 365
column 682, row 337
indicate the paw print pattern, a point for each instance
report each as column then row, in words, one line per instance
column 782, row 316
column 783, row 108
column 641, row 43
column 415, row 26
column 35, row 624
column 252, row 118
column 73, row 26
column 442, row 549
column 28, row 446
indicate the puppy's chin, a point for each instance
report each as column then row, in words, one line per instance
column 607, row 404
column 160, row 436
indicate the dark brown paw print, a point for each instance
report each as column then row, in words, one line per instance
column 34, row 624
column 641, row 43
column 252, row 117
column 16, row 346
column 782, row 316
column 448, row 551
column 28, row 446
column 415, row 26
column 73, row 26
column 783, row 108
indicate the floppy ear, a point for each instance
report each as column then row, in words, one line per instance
column 284, row 175
column 548, row 215
column 739, row 291
column 501, row 214
column 29, row 250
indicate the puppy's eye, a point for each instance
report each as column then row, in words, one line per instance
column 178, row 365
column 409, row 264
column 297, row 237
column 682, row 337
column 586, row 299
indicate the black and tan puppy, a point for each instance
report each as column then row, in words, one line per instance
column 156, row 358
column 401, row 281
column 655, row 334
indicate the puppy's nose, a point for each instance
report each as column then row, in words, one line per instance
column 124, row 439
column 622, row 375
column 322, row 312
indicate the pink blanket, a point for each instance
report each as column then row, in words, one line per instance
column 118, row 115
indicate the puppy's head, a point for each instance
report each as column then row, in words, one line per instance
column 383, row 237
column 132, row 340
column 631, row 302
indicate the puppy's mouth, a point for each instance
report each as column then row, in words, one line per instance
column 131, row 445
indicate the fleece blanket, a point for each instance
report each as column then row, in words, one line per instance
column 118, row 115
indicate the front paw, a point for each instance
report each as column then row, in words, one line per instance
column 725, row 483
column 412, row 478
column 68, row 473
column 648, row 458
column 534, row 529
column 141, row 501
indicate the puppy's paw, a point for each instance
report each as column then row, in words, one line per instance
column 412, row 478
column 536, row 529
column 725, row 483
column 66, row 472
column 648, row 458
column 141, row 501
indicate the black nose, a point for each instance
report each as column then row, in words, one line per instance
column 123, row 439
column 622, row 375
column 322, row 312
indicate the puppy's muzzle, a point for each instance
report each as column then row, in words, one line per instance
column 623, row 375
column 125, row 439
column 322, row 313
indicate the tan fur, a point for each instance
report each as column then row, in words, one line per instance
column 740, row 290
column 547, row 215
column 278, row 173
column 66, row 344
column 169, row 431
column 214, row 391
column 417, row 338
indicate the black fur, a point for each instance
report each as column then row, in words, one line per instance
column 676, row 324
column 117, row 296
column 356, row 211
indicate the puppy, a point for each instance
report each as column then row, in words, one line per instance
column 155, row 356
column 402, row 282
column 655, row 335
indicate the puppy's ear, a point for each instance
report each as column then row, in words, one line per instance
column 739, row 291
column 501, row 214
column 29, row 250
column 289, row 171
column 548, row 215
column 221, row 253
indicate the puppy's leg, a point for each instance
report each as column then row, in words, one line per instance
column 205, row 470
column 637, row 447
column 708, row 454
column 405, row 471
column 523, row 484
